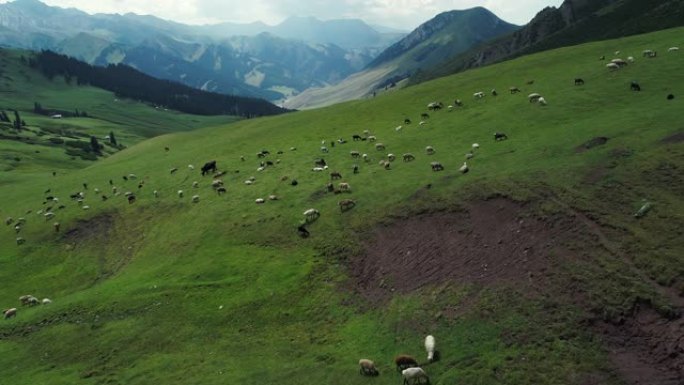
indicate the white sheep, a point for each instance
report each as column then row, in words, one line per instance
column 365, row 157
column 429, row 150
column 479, row 95
column 475, row 146
column 249, row 182
column 17, row 228
column 673, row 49
column 422, row 122
column 542, row 101
column 469, row 155
column 367, row 367
column 97, row 190
column 46, row 301
column 533, row 97
column 155, row 193
column 408, row 157
column 195, row 198
column 191, row 167
column 259, row 200
column 317, row 169
column 414, row 376
column 612, row 66
column 311, row 215
column 132, row 176
column 372, row 138
column 324, row 149
column 398, row 128
column 430, row 347
column 260, row 169
column 630, row 59
column 20, row 241
column 379, row 146
column 49, row 215
column 9, row 313
column 86, row 207
column 464, row 169
column 619, row 62
column 180, row 193
column 272, row 197
column 391, row 157
column 195, row 184
column 343, row 186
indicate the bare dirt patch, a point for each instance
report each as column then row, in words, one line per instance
column 674, row 138
column 492, row 241
column 595, row 142
column 92, row 228
column 647, row 348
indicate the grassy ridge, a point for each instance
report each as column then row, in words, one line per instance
column 223, row 290
column 131, row 121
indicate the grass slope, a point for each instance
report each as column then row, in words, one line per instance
column 167, row 291
column 131, row 121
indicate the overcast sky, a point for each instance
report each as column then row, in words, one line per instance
column 404, row 14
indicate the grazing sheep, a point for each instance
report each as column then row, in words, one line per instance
column 391, row 157
column 195, row 199
column 335, row 175
column 612, row 66
column 542, row 101
column 647, row 53
column 355, row 169
column 9, row 221
column 272, row 197
column 56, row 226
column 619, row 62
column 500, row 136
column 9, row 313
column 131, row 199
column 208, row 167
column 221, row 190
column 319, row 169
column 494, row 93
column 259, row 201
column 32, row 301
column 630, row 59
column 344, row 187
column 372, row 138
column 354, row 154
column 464, row 169
column 180, row 193
column 469, row 155
column 475, row 146
column 579, row 81
column 367, row 367
column 413, row 376
column 407, row 121
column 422, row 122
column 398, row 128
column 173, row 170
column 634, row 86
column 311, row 215
column 436, row 166
column 46, row 301
column 17, row 228
column 458, row 103
column 365, row 157
column 429, row 150
column 356, row 137
column 408, row 157
column 514, row 90
column 404, row 361
column 132, row 177
column 216, row 183
column 324, row 149
column 533, row 97
column 379, row 146
column 195, row 184
column 435, row 106
column 86, row 207
column 249, row 182
column 155, row 193
column 430, row 347
column 303, row 232
column 320, row 162
column 24, row 299
column 479, row 95
column 673, row 49
column 48, row 216
column 346, row 204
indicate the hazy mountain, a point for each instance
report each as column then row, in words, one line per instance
column 269, row 62
column 432, row 43
column 574, row 22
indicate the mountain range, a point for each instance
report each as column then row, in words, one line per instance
column 254, row 60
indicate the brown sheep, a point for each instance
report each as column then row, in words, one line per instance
column 367, row 367
column 404, row 361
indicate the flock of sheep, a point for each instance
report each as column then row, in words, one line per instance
column 407, row 365
column 26, row 300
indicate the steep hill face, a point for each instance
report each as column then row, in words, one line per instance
column 312, row 53
column 432, row 43
column 574, row 22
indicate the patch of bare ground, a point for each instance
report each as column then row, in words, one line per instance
column 490, row 241
column 674, row 138
column 500, row 242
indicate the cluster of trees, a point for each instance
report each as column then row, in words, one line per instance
column 38, row 109
column 17, row 123
column 127, row 82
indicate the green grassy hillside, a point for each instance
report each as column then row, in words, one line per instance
column 530, row 268
column 131, row 121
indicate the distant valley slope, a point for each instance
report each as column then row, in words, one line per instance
column 251, row 60
column 431, row 44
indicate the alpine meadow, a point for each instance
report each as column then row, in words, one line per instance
column 556, row 256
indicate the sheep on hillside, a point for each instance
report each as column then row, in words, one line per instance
column 430, row 347
column 367, row 367
column 429, row 150
column 413, row 376
column 195, row 199
column 311, row 215
column 404, row 361
column 9, row 313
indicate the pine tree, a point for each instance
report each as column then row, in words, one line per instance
column 112, row 139
column 94, row 144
